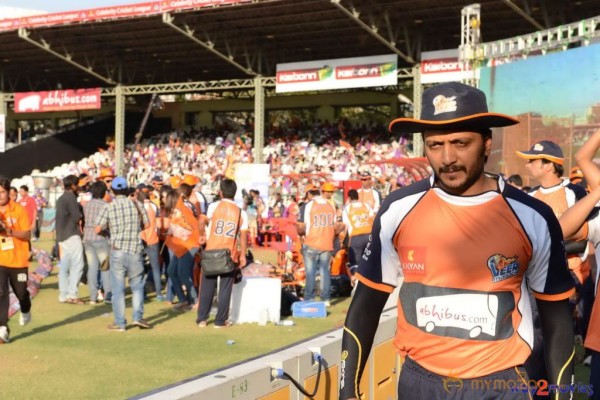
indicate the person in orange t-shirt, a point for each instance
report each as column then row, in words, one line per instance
column 317, row 222
column 228, row 226
column 29, row 203
column 358, row 218
column 15, row 232
column 150, row 237
column 183, row 240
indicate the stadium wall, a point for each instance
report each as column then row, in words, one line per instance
column 253, row 379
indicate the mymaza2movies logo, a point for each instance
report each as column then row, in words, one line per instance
column 452, row 383
column 541, row 387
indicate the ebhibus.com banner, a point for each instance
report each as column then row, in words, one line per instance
column 58, row 100
column 343, row 73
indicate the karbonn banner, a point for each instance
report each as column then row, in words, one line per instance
column 109, row 13
column 443, row 66
column 57, row 100
column 342, row 73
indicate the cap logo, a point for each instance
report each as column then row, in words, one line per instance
column 538, row 147
column 444, row 104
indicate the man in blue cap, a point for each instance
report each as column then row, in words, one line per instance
column 545, row 164
column 125, row 218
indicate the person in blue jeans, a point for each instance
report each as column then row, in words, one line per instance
column 124, row 264
column 125, row 218
column 318, row 223
column 96, row 246
column 151, row 240
column 183, row 240
column 180, row 272
column 316, row 260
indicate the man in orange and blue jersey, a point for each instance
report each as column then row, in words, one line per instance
column 228, row 226
column 467, row 246
column 358, row 219
column 317, row 222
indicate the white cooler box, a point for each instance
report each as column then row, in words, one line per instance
column 254, row 297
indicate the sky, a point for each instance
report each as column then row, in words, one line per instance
column 559, row 84
column 65, row 5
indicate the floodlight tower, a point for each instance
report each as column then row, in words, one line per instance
column 470, row 37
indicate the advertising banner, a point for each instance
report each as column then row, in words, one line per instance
column 443, row 66
column 90, row 15
column 58, row 100
column 108, row 13
column 187, row 4
column 342, row 73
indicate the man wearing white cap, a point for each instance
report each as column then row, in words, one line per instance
column 366, row 194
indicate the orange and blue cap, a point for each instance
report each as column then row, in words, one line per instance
column 544, row 149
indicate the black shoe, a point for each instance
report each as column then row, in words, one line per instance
column 142, row 324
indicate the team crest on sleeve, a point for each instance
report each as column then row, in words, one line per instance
column 503, row 267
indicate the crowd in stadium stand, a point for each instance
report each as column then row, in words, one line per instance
column 210, row 154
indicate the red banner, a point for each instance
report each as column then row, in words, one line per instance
column 171, row 5
column 108, row 13
column 57, row 100
column 440, row 65
column 341, row 73
column 302, row 75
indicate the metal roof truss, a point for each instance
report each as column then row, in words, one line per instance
column 25, row 34
column 549, row 39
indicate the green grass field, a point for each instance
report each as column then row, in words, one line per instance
column 67, row 352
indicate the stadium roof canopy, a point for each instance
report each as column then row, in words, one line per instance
column 206, row 40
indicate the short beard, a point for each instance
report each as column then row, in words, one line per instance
column 473, row 176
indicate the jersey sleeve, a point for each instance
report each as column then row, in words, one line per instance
column 370, row 269
column 379, row 267
column 548, row 274
column 578, row 191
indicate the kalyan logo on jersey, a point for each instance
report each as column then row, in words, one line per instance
column 503, row 267
column 413, row 259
